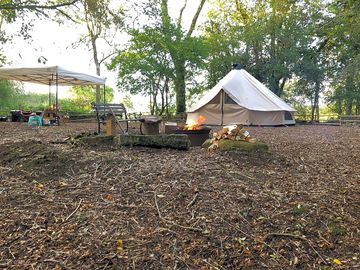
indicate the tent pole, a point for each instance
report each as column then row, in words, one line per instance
column 104, row 93
column 222, row 107
column 49, row 93
column 56, row 96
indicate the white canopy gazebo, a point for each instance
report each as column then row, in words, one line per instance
column 50, row 75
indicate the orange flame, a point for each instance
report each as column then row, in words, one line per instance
column 194, row 125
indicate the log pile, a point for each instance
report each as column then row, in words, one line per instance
column 234, row 133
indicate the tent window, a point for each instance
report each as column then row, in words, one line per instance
column 288, row 116
column 215, row 100
column 228, row 99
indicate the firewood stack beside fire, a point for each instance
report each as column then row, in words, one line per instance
column 233, row 132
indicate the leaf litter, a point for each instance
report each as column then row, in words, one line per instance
column 67, row 206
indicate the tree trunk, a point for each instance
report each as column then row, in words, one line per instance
column 349, row 95
column 176, row 54
column 179, row 83
column 312, row 109
column 163, row 96
column 274, row 84
column 97, row 65
column 315, row 115
column 339, row 105
column 167, row 98
column 349, row 106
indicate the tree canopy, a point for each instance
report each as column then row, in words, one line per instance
column 304, row 51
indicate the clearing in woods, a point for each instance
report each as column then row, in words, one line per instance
column 66, row 206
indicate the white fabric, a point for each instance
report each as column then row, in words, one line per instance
column 247, row 91
column 47, row 75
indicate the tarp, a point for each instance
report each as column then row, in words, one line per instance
column 252, row 103
column 51, row 75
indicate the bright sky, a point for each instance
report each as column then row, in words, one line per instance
column 54, row 42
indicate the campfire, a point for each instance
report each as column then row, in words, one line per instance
column 195, row 125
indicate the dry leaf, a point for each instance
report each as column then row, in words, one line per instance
column 120, row 245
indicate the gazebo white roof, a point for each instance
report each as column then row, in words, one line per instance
column 49, row 75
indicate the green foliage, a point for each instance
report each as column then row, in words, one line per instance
column 128, row 103
column 302, row 49
column 83, row 96
column 267, row 37
column 25, row 101
column 343, row 33
column 160, row 56
column 10, row 95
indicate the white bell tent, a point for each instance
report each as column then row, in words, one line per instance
column 239, row 98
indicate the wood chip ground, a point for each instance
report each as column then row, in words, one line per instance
column 67, row 206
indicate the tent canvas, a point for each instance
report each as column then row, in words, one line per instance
column 50, row 75
column 239, row 98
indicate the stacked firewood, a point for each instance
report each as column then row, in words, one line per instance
column 233, row 132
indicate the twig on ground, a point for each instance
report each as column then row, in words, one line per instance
column 58, row 262
column 81, row 200
column 298, row 237
column 193, row 200
column 171, row 222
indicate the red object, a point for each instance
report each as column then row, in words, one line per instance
column 20, row 115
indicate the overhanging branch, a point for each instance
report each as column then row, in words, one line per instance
column 10, row 6
column 195, row 18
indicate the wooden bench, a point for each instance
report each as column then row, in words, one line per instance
column 107, row 111
column 352, row 119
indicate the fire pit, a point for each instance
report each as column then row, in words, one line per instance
column 196, row 133
column 197, row 136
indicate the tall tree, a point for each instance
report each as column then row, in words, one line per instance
column 145, row 68
column 178, row 44
column 160, row 55
column 266, row 36
column 102, row 23
column 343, row 32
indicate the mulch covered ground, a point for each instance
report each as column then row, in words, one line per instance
column 66, row 206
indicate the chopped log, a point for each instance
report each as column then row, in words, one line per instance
column 176, row 141
column 226, row 145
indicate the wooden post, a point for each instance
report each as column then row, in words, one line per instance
column 110, row 125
